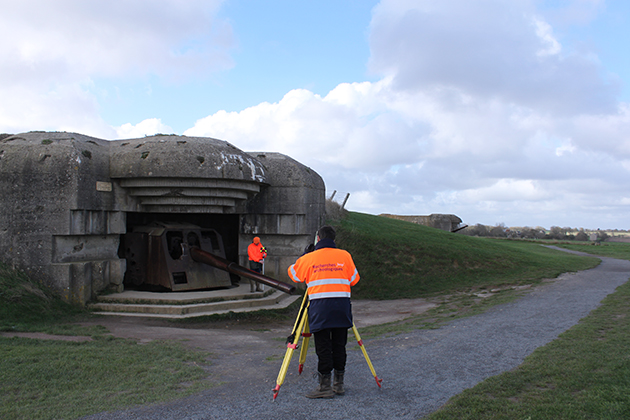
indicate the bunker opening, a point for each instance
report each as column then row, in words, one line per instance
column 157, row 249
column 184, row 252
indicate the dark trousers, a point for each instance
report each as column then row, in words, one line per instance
column 255, row 266
column 330, row 346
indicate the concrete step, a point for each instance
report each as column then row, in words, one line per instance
column 179, row 305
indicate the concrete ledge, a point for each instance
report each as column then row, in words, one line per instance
column 184, row 298
column 189, row 304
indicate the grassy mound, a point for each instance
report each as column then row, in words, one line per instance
column 398, row 259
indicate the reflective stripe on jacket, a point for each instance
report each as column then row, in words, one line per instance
column 327, row 272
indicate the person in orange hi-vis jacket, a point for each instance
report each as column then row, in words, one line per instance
column 329, row 273
column 257, row 254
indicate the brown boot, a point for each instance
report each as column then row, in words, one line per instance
column 338, row 383
column 324, row 389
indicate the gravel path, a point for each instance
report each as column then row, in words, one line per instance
column 421, row 370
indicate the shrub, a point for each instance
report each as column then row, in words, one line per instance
column 334, row 212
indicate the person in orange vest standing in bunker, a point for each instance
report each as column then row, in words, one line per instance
column 329, row 273
column 257, row 254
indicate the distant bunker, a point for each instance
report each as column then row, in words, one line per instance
column 79, row 213
column 447, row 222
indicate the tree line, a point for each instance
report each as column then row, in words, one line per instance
column 555, row 232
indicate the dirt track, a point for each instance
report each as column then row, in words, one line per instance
column 227, row 337
column 235, row 333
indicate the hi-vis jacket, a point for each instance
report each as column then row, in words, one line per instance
column 327, row 272
column 256, row 252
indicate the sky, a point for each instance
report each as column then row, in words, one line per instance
column 513, row 112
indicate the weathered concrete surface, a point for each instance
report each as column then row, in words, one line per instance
column 56, row 224
column 68, row 198
column 184, row 174
column 285, row 215
column 183, row 157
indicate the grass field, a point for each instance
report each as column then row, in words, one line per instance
column 50, row 379
column 396, row 260
column 619, row 250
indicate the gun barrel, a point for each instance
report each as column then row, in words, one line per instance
column 205, row 257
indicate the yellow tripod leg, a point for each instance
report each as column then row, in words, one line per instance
column 367, row 358
column 301, row 323
column 302, row 311
column 307, row 335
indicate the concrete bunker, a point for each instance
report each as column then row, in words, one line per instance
column 73, row 203
column 447, row 222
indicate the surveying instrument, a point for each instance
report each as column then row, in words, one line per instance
column 301, row 329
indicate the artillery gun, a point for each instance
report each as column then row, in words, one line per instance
column 181, row 257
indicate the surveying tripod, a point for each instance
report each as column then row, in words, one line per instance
column 301, row 329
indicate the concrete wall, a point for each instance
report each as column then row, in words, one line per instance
column 65, row 199
column 285, row 215
column 59, row 221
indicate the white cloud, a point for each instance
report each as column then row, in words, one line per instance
column 609, row 133
column 68, row 39
column 57, row 48
column 567, row 147
column 487, row 49
column 545, row 33
column 147, row 127
column 64, row 107
column 346, row 128
column 505, row 190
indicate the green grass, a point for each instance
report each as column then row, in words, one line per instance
column 398, row 259
column 619, row 250
column 584, row 374
column 49, row 379
column 25, row 305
